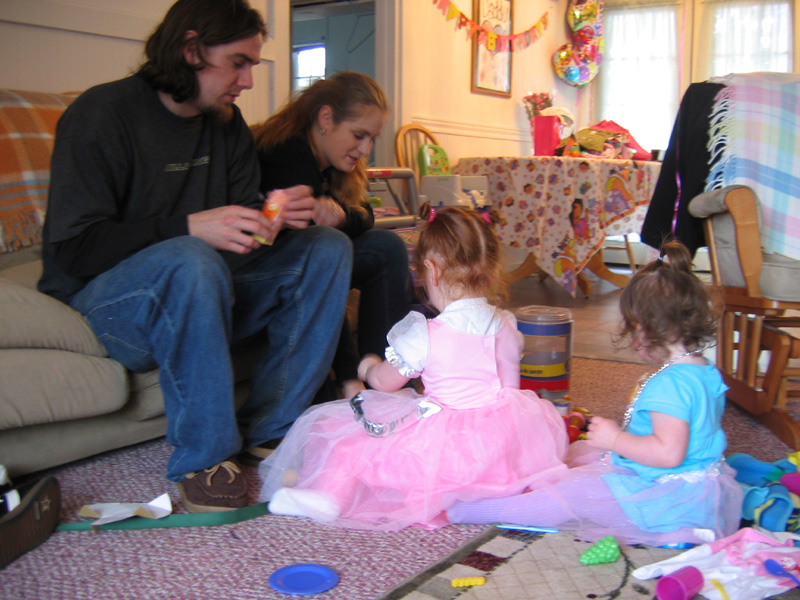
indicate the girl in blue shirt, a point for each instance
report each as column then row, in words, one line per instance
column 659, row 478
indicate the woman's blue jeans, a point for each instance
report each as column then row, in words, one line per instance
column 179, row 305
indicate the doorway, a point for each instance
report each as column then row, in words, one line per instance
column 337, row 35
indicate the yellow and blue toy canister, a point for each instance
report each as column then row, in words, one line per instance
column 548, row 347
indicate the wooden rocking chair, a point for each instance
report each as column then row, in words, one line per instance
column 761, row 294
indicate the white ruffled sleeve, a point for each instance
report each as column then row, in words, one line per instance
column 408, row 344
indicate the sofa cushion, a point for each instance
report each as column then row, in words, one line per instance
column 48, row 386
column 27, row 262
column 147, row 399
column 27, row 130
column 30, row 319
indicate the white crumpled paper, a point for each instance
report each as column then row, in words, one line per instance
column 109, row 512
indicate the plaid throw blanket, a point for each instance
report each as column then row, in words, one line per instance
column 27, row 130
column 754, row 140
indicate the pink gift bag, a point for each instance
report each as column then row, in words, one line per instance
column 546, row 133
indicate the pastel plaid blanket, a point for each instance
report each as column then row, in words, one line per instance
column 754, row 140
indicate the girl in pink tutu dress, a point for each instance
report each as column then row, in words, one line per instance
column 660, row 478
column 390, row 458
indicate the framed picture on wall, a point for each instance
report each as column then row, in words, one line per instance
column 491, row 68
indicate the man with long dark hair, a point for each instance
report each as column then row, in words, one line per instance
column 150, row 230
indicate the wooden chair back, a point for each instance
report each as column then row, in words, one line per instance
column 407, row 142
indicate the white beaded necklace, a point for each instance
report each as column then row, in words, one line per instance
column 626, row 418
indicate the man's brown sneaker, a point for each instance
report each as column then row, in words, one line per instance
column 31, row 522
column 216, row 489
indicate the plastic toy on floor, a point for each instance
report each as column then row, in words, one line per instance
column 753, row 471
column 604, row 550
column 576, row 423
column 459, row 582
column 682, row 584
column 770, row 491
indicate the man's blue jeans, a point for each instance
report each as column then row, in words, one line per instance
column 179, row 305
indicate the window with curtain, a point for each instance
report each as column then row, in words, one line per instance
column 652, row 53
column 638, row 79
column 741, row 36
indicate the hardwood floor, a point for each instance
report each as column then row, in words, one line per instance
column 595, row 319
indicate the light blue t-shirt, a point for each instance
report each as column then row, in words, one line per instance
column 692, row 393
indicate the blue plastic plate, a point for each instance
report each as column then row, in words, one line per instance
column 306, row 578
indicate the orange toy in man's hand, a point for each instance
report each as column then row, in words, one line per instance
column 273, row 206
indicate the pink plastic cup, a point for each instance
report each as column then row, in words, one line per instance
column 682, row 584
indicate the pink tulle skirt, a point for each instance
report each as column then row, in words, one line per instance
column 414, row 474
column 695, row 509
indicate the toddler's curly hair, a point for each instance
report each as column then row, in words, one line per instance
column 670, row 303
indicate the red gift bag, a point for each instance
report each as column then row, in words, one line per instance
column 546, row 133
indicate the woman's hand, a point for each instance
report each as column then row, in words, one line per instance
column 328, row 212
column 299, row 209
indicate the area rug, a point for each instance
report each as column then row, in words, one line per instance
column 533, row 566
column 539, row 566
column 230, row 562
column 234, row 562
column 518, row 565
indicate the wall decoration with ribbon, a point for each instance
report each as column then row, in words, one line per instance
column 488, row 38
column 577, row 62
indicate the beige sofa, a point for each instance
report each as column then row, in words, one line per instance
column 61, row 397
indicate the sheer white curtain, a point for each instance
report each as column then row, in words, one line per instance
column 742, row 36
column 639, row 76
column 640, row 81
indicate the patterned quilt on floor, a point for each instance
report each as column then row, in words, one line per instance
column 534, row 566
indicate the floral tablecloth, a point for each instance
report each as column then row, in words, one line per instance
column 560, row 209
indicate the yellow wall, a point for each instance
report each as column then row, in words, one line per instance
column 59, row 45
column 435, row 74
column 422, row 61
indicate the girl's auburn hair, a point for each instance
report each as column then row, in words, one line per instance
column 463, row 244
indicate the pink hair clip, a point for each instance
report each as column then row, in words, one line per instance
column 486, row 217
column 432, row 215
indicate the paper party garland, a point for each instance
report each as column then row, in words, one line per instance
column 487, row 38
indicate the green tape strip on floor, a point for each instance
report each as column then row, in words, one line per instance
column 181, row 520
